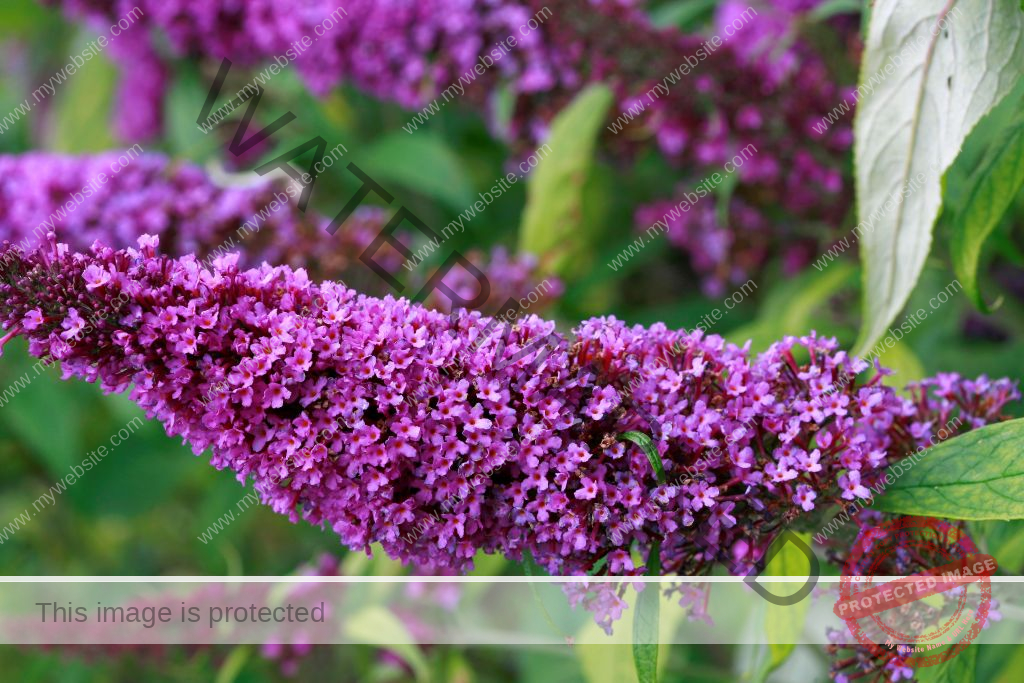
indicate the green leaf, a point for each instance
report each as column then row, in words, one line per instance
column 603, row 663
column 82, row 106
column 785, row 622
column 646, row 621
column 422, row 162
column 234, row 664
column 959, row 669
column 865, row 19
column 684, row 14
column 644, row 442
column 606, row 659
column 38, row 391
column 20, row 17
column 183, row 136
column 1014, row 664
column 976, row 476
column 1003, row 541
column 831, row 8
column 911, row 121
column 377, row 626
column 992, row 189
column 554, row 218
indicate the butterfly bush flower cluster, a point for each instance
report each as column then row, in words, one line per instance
column 770, row 212
column 763, row 86
column 945, row 405
column 114, row 198
column 390, row 423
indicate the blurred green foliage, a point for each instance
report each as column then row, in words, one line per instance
column 142, row 511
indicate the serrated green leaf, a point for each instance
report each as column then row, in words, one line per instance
column 422, row 162
column 992, row 190
column 646, row 620
column 553, row 220
column 976, row 476
column 645, row 443
column 910, row 123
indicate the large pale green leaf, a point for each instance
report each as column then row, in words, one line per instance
column 1014, row 664
column 976, row 476
column 992, row 189
column 554, row 216
column 604, row 663
column 932, row 69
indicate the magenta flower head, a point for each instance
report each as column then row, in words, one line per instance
column 395, row 424
column 674, row 91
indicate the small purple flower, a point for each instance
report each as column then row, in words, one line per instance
column 805, row 497
column 851, row 486
column 32, row 320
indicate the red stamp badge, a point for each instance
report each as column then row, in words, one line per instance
column 928, row 616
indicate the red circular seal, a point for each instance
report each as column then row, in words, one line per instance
column 929, row 616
